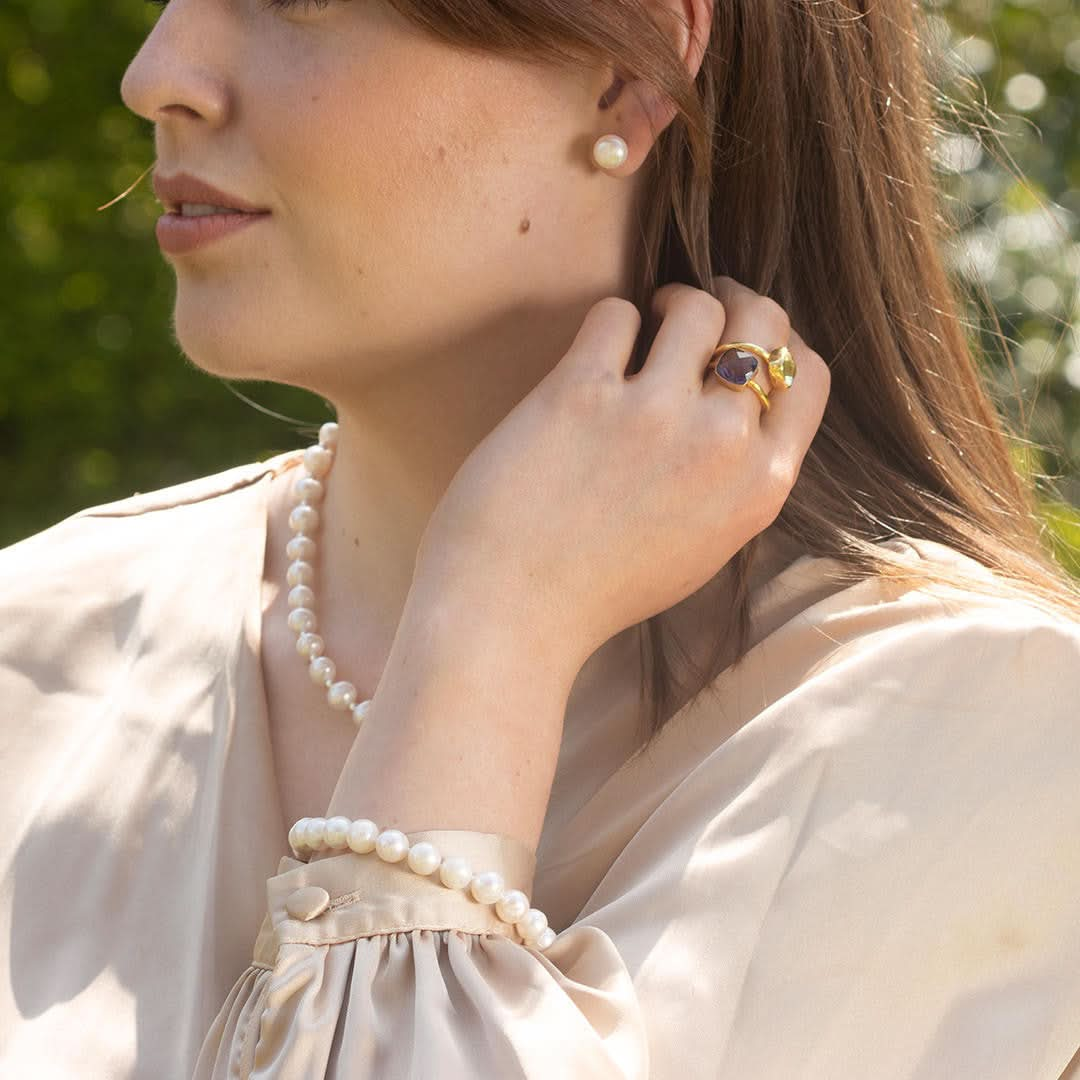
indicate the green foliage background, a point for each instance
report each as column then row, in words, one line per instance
column 97, row 401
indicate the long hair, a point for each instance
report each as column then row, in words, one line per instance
column 798, row 163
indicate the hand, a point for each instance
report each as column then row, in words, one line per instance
column 601, row 500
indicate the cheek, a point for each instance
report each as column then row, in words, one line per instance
column 407, row 171
column 388, row 169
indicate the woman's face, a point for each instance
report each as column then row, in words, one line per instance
column 418, row 193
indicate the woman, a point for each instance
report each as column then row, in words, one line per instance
column 836, row 839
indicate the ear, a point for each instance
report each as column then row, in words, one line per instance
column 636, row 110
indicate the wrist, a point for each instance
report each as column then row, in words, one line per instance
column 465, row 726
column 490, row 623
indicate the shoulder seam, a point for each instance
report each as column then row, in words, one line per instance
column 147, row 502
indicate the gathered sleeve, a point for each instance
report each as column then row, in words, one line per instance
column 875, row 875
column 365, row 969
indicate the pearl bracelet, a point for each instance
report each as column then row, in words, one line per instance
column 392, row 845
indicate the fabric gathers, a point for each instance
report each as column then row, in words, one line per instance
column 421, row 856
column 853, row 856
column 404, row 933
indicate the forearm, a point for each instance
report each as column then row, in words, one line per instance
column 464, row 729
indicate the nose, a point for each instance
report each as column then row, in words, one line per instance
column 174, row 74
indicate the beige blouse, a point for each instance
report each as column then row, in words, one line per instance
column 859, row 857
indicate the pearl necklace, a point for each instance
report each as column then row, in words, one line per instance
column 363, row 835
column 304, row 521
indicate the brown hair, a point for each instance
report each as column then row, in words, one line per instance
column 817, row 190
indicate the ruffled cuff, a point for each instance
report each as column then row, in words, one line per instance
column 364, row 969
column 349, row 896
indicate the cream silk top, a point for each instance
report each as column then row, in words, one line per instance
column 858, row 857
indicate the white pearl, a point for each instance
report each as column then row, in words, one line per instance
column 391, row 845
column 337, row 831
column 300, row 547
column 610, row 151
column 424, row 858
column 315, row 833
column 308, row 489
column 302, row 620
column 362, row 835
column 512, row 906
column 310, row 645
column 360, row 711
column 302, row 597
column 303, row 518
column 317, row 460
column 532, row 924
column 296, row 834
column 455, row 872
column 341, row 695
column 322, row 671
column 546, row 939
column 487, row 887
column 300, row 572
column 328, row 434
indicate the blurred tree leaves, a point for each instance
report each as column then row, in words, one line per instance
column 1009, row 163
column 97, row 401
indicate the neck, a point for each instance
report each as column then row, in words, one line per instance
column 403, row 434
column 400, row 443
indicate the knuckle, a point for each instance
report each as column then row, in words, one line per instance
column 616, row 307
column 653, row 414
column 782, row 474
column 700, row 303
column 709, row 439
column 814, row 364
column 826, row 371
column 589, row 392
column 775, row 313
column 663, row 292
column 814, row 358
column 730, row 429
column 677, row 296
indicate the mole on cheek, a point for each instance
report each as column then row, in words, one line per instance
column 525, row 225
column 442, row 152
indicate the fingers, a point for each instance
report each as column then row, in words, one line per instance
column 754, row 318
column 693, row 322
column 605, row 340
column 796, row 413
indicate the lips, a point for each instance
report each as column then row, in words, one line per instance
column 179, row 235
column 171, row 191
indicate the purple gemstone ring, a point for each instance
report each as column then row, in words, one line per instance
column 735, row 363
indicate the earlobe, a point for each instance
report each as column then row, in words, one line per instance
column 645, row 113
column 610, row 151
column 640, row 121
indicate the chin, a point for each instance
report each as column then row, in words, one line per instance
column 227, row 348
column 224, row 357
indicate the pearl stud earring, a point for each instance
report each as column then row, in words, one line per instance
column 610, row 151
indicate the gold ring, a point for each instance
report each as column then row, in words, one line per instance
column 779, row 361
column 762, row 396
